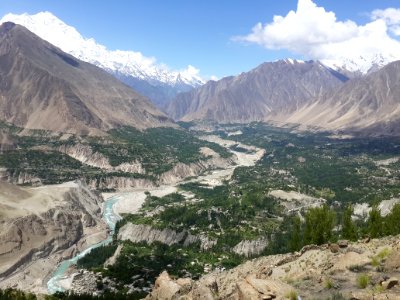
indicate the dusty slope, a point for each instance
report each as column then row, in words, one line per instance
column 40, row 225
column 314, row 273
column 42, row 87
column 264, row 93
column 371, row 102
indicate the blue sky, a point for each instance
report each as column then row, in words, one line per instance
column 182, row 32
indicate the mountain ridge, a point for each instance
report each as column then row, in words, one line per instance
column 257, row 95
column 363, row 103
column 124, row 65
column 45, row 88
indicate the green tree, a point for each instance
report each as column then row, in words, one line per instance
column 392, row 221
column 295, row 239
column 375, row 223
column 319, row 224
column 349, row 229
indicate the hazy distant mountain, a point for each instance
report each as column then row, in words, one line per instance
column 42, row 87
column 371, row 103
column 268, row 92
column 152, row 80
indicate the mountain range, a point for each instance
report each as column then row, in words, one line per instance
column 264, row 93
column 155, row 81
column 296, row 92
column 143, row 74
column 42, row 87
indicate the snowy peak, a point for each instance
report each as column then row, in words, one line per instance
column 128, row 63
column 292, row 61
column 362, row 64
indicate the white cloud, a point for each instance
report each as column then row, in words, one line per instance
column 391, row 16
column 190, row 71
column 315, row 33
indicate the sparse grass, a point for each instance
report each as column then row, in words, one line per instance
column 329, row 283
column 292, row 295
column 336, row 296
column 363, row 280
column 375, row 261
column 383, row 254
column 378, row 288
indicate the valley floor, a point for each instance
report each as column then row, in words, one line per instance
column 257, row 202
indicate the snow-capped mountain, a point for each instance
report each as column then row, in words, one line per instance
column 142, row 73
column 360, row 65
column 355, row 66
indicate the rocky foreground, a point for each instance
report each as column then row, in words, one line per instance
column 368, row 269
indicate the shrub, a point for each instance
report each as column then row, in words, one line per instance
column 329, row 283
column 363, row 281
column 292, row 295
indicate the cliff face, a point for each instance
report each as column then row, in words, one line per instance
column 251, row 248
column 316, row 272
column 85, row 154
column 144, row 233
column 42, row 224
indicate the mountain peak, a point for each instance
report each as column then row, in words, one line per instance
column 292, row 61
column 129, row 63
column 362, row 64
column 46, row 88
column 7, row 26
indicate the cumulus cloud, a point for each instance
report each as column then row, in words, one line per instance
column 315, row 33
column 190, row 71
column 391, row 16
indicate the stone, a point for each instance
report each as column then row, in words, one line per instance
column 343, row 243
column 185, row 284
column 391, row 282
column 201, row 292
column 165, row 288
column 210, row 282
column 184, row 281
column 258, row 284
column 334, row 248
column 246, row 292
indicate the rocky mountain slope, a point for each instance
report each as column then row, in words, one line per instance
column 267, row 92
column 155, row 81
column 306, row 94
column 42, row 87
column 42, row 225
column 370, row 103
column 361, row 270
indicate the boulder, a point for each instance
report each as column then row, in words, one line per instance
column 391, row 282
column 164, row 289
column 246, row 292
column 343, row 243
column 334, row 248
column 202, row 292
